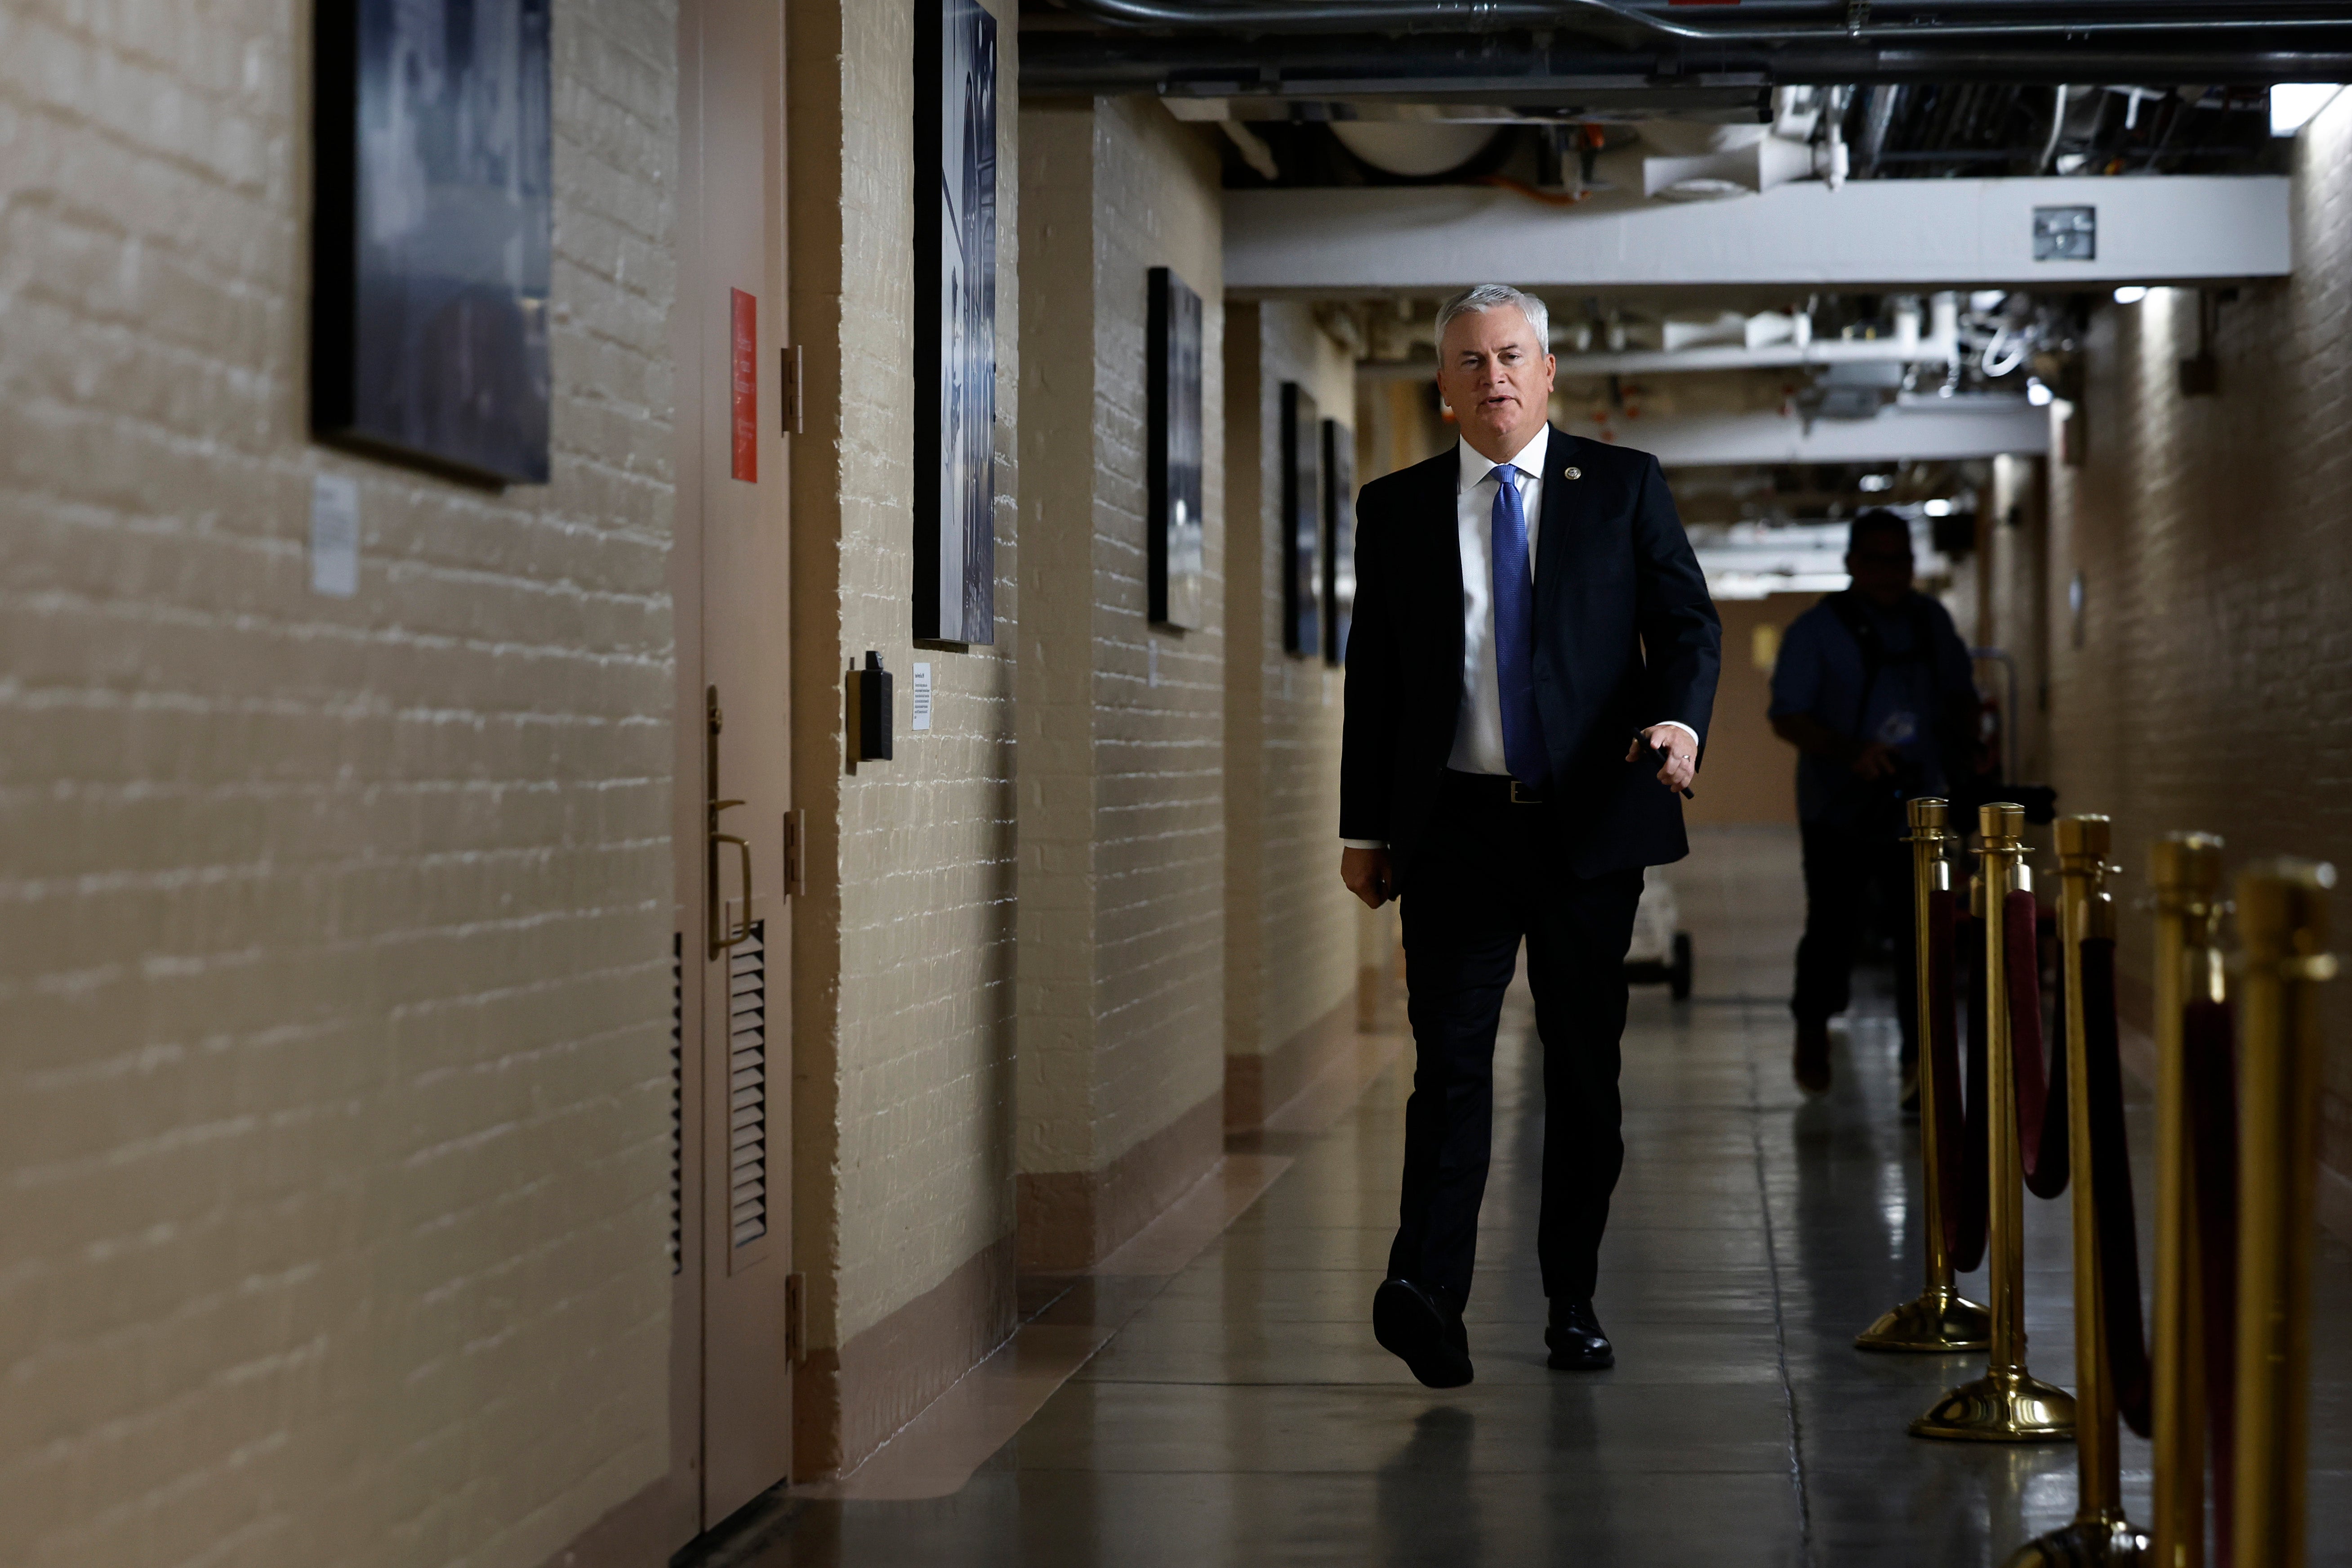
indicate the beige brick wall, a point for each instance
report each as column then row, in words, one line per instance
column 1122, row 739
column 2211, row 689
column 903, row 1012
column 334, row 935
column 1293, row 939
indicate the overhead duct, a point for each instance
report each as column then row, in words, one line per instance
column 1415, row 149
column 1940, row 344
column 1692, row 161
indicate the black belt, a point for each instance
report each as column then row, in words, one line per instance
column 1489, row 789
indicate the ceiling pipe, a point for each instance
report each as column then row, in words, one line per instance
column 1492, row 70
column 2079, row 22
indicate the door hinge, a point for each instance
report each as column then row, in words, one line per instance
column 795, row 1318
column 791, row 389
column 795, row 851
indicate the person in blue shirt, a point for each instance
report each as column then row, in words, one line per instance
column 1875, row 690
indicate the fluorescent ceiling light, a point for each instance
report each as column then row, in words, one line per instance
column 2293, row 103
column 2130, row 294
column 1938, row 507
column 1878, row 482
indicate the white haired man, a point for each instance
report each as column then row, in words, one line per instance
column 1530, row 670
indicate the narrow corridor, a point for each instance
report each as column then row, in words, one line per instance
column 676, row 729
column 1243, row 1415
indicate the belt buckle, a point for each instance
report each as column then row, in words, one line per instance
column 1522, row 796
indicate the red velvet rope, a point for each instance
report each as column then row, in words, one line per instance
column 2118, row 1237
column 2208, row 1055
column 1976, row 1157
column 2040, row 1102
column 1944, row 1066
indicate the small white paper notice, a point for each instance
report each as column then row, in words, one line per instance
column 922, row 697
column 335, row 535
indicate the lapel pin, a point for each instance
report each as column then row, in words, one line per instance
column 1572, row 472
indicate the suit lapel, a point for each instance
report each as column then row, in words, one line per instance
column 1561, row 540
column 1556, row 528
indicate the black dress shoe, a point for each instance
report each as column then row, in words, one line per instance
column 1576, row 1340
column 1812, row 1062
column 1421, row 1327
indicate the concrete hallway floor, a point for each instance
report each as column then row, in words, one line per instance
column 1243, row 1414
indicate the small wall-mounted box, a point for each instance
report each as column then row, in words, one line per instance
column 869, row 711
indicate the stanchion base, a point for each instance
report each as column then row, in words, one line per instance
column 2085, row 1544
column 2002, row 1407
column 1938, row 1323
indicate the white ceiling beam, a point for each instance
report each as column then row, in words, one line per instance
column 1884, row 233
column 1899, row 435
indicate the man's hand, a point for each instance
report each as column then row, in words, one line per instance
column 1876, row 760
column 1682, row 753
column 1366, row 872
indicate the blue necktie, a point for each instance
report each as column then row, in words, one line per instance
column 1515, row 618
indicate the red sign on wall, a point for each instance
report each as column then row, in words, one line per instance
column 743, row 372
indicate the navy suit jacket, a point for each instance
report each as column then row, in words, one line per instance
column 1625, row 636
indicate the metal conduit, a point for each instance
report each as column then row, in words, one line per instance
column 1486, row 67
column 2079, row 22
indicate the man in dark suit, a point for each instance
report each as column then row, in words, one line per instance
column 1526, row 604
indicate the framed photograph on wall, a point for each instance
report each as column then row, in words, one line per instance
column 434, row 228
column 1173, row 527
column 1302, row 522
column 955, row 267
column 1339, row 538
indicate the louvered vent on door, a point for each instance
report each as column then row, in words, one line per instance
column 747, row 1088
column 676, row 1102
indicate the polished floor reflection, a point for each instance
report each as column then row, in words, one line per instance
column 1241, row 1414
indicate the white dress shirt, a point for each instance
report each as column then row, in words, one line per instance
column 1478, row 729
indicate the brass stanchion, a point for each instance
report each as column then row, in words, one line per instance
column 2099, row 1533
column 2007, row 1404
column 2283, row 929
column 1939, row 1319
column 2187, row 869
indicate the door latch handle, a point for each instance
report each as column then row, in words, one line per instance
column 722, row 932
column 725, row 933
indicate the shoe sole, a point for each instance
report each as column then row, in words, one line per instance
column 1558, row 1362
column 1410, row 1331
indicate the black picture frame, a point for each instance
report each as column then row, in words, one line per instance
column 955, row 267
column 1174, row 532
column 1302, row 521
column 1338, row 539
column 433, row 234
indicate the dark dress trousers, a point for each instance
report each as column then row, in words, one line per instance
column 1624, row 638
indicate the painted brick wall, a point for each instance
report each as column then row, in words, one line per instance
column 1057, row 808
column 2013, row 569
column 1293, row 939
column 334, row 933
column 903, row 1015
column 1122, row 815
column 2212, row 688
